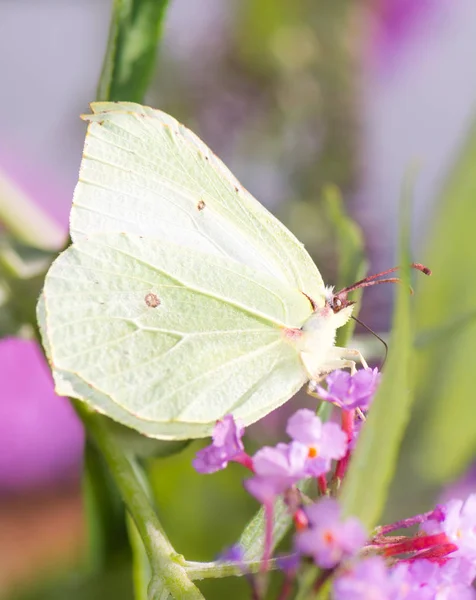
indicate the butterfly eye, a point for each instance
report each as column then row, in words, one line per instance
column 337, row 303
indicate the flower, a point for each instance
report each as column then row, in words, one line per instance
column 366, row 580
column 328, row 539
column 460, row 526
column 324, row 442
column 371, row 579
column 276, row 470
column 424, row 579
column 350, row 391
column 233, row 554
column 226, row 446
column 289, row 564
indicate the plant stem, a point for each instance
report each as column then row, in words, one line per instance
column 215, row 569
column 141, row 573
column 164, row 562
column 25, row 220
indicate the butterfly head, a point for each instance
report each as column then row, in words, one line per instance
column 337, row 301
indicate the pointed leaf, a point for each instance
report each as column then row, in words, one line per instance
column 371, row 469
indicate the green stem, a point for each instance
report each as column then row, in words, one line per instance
column 203, row 570
column 164, row 561
column 25, row 220
column 140, row 562
column 134, row 33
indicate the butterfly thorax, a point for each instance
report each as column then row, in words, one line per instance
column 317, row 337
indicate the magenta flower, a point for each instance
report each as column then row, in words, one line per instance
column 351, row 391
column 411, row 581
column 424, row 579
column 324, row 442
column 276, row 469
column 226, row 446
column 367, row 579
column 233, row 554
column 457, row 570
column 460, row 526
column 328, row 539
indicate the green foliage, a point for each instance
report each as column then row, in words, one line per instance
column 22, row 272
column 134, row 33
column 447, row 304
column 106, row 535
column 365, row 488
column 351, row 261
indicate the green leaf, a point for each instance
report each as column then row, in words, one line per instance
column 352, row 264
column 252, row 538
column 106, row 537
column 445, row 377
column 141, row 571
column 134, row 33
column 22, row 271
column 441, row 334
column 371, row 469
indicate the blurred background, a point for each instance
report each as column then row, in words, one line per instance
column 292, row 95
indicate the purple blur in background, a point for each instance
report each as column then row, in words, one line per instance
column 41, row 438
column 396, row 22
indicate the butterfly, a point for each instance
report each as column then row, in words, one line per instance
column 181, row 298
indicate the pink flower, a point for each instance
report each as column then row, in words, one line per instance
column 351, row 391
column 328, row 539
column 324, row 442
column 226, row 446
column 277, row 469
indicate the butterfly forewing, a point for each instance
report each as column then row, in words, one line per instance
column 144, row 173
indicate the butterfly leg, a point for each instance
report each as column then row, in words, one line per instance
column 349, row 352
column 328, row 367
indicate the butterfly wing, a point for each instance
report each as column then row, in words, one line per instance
column 143, row 172
column 166, row 339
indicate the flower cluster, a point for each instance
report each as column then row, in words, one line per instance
column 438, row 563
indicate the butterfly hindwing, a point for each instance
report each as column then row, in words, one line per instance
column 166, row 339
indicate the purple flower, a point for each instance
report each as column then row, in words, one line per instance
column 350, row 391
column 324, row 442
column 412, row 581
column 460, row 526
column 423, row 579
column 276, row 470
column 226, row 446
column 328, row 539
column 366, row 580
column 289, row 564
column 457, row 570
column 234, row 554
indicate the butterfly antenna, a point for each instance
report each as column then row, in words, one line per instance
column 373, row 279
column 370, row 330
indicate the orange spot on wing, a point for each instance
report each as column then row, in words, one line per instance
column 292, row 334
